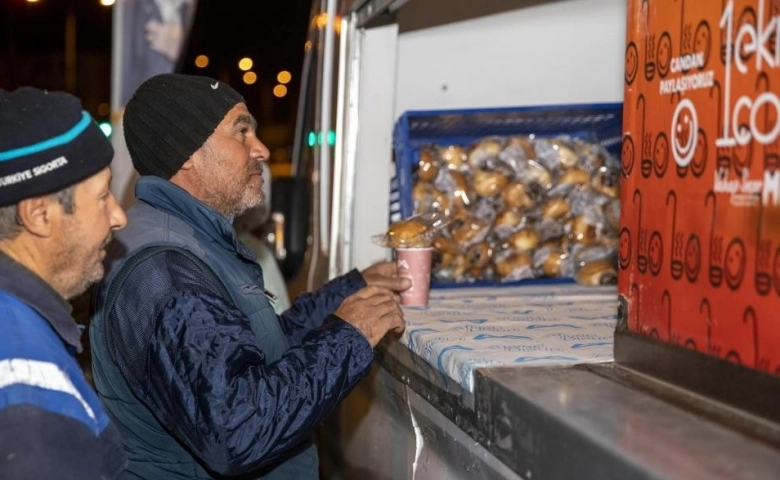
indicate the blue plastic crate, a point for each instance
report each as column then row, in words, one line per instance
column 598, row 123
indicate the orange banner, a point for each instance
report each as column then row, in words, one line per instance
column 700, row 238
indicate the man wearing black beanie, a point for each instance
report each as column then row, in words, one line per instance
column 56, row 218
column 192, row 363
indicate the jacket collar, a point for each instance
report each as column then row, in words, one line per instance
column 176, row 201
column 29, row 288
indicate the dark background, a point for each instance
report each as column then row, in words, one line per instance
column 32, row 52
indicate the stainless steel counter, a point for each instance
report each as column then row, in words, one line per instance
column 412, row 420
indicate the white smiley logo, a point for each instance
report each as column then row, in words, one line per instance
column 685, row 124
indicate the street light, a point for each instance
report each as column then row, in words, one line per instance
column 201, row 61
column 245, row 63
column 280, row 91
column 284, row 77
column 250, row 78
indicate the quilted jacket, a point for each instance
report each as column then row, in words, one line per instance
column 199, row 373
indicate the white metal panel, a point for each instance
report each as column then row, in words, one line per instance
column 373, row 166
column 325, row 162
column 568, row 51
column 343, row 171
column 555, row 52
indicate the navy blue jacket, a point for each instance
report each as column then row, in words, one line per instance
column 200, row 374
column 51, row 422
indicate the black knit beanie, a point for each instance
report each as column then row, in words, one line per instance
column 171, row 116
column 47, row 143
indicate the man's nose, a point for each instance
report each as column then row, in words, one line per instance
column 118, row 217
column 260, row 151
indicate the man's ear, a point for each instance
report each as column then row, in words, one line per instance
column 38, row 215
column 189, row 164
column 184, row 176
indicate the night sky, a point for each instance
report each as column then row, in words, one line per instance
column 271, row 33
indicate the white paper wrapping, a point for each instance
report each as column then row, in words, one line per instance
column 467, row 328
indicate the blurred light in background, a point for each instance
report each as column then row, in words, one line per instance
column 245, row 63
column 106, row 3
column 316, row 138
column 321, row 20
column 250, row 78
column 106, row 127
column 280, row 91
column 104, row 109
column 201, row 61
column 307, row 46
column 284, row 77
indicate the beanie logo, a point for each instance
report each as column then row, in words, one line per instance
column 215, row 86
column 29, row 174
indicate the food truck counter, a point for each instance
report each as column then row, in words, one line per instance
column 518, row 382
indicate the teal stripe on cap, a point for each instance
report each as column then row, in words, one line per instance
column 50, row 143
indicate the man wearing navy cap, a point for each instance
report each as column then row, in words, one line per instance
column 203, row 379
column 56, row 218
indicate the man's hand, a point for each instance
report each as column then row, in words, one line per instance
column 385, row 274
column 374, row 311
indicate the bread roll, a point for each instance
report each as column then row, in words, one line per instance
column 483, row 151
column 538, row 174
column 599, row 272
column 421, row 196
column 525, row 240
column 550, row 261
column 515, row 195
column 556, row 208
column 489, row 184
column 441, row 201
column 507, row 220
column 454, row 156
column 521, row 144
column 478, row 258
column 514, row 264
column 445, row 245
column 574, row 176
column 428, row 166
column 568, row 156
column 461, row 196
column 583, row 231
column 407, row 233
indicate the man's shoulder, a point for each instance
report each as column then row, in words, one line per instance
column 8, row 300
column 27, row 334
column 37, row 369
column 148, row 226
column 20, row 319
column 153, row 274
column 50, row 385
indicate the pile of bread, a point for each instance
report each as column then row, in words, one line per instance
column 521, row 207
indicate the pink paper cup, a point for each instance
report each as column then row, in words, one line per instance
column 415, row 264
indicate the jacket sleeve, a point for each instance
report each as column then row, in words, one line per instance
column 311, row 309
column 36, row 444
column 209, row 384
